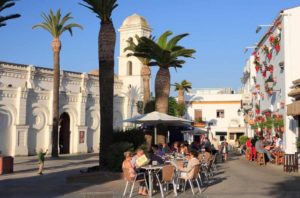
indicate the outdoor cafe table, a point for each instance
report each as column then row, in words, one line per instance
column 150, row 169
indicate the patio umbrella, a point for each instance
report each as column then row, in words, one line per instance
column 154, row 118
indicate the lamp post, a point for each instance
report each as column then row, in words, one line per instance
column 259, row 27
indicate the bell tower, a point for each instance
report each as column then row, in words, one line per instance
column 130, row 67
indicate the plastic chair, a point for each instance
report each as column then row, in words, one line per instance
column 132, row 181
column 194, row 177
column 168, row 176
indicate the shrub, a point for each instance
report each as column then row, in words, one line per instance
column 243, row 139
column 116, row 155
column 134, row 136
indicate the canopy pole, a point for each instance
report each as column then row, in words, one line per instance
column 155, row 135
column 168, row 137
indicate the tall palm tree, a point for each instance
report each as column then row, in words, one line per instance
column 106, row 50
column 56, row 25
column 165, row 54
column 4, row 4
column 145, row 70
column 181, row 88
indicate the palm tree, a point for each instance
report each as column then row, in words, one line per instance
column 106, row 49
column 4, row 4
column 56, row 25
column 165, row 54
column 145, row 70
column 181, row 88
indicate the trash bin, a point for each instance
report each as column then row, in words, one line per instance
column 6, row 164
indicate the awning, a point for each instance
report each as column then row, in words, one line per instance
column 293, row 109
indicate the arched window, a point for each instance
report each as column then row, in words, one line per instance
column 129, row 68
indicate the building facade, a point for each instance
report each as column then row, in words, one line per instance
column 26, row 102
column 273, row 66
column 217, row 111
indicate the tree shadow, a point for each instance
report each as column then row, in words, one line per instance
column 54, row 184
column 286, row 189
column 56, row 167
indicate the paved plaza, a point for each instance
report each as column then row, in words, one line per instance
column 236, row 178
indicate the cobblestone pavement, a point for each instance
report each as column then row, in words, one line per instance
column 235, row 178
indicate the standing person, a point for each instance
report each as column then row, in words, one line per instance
column 41, row 158
column 224, row 150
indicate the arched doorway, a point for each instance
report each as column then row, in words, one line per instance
column 64, row 134
column 5, row 132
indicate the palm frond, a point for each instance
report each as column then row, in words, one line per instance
column 173, row 42
column 162, row 40
column 102, row 8
column 55, row 24
column 4, row 4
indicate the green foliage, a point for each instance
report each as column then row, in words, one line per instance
column 55, row 24
column 102, row 8
column 180, row 110
column 4, row 4
column 116, row 155
column 199, row 120
column 269, row 123
column 254, row 126
column 134, row 136
column 298, row 143
column 172, row 106
column 163, row 52
column 149, row 107
column 243, row 139
column 184, row 85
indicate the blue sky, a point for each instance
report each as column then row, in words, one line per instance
column 219, row 31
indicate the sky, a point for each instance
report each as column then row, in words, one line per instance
column 219, row 31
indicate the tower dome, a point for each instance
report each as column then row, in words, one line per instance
column 135, row 20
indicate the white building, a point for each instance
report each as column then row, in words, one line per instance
column 220, row 107
column 273, row 66
column 26, row 103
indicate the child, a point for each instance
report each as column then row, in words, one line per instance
column 41, row 158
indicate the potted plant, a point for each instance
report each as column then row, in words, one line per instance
column 257, row 109
column 270, row 68
column 276, row 43
column 281, row 125
column 264, row 73
column 257, row 86
column 268, row 52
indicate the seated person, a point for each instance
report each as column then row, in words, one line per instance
column 260, row 148
column 137, row 167
column 154, row 156
column 183, row 149
column 175, row 147
column 277, row 144
column 165, row 148
column 139, row 153
column 132, row 173
column 187, row 172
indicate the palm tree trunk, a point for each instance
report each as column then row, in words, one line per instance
column 56, row 46
column 180, row 96
column 162, row 92
column 106, row 44
column 145, row 73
